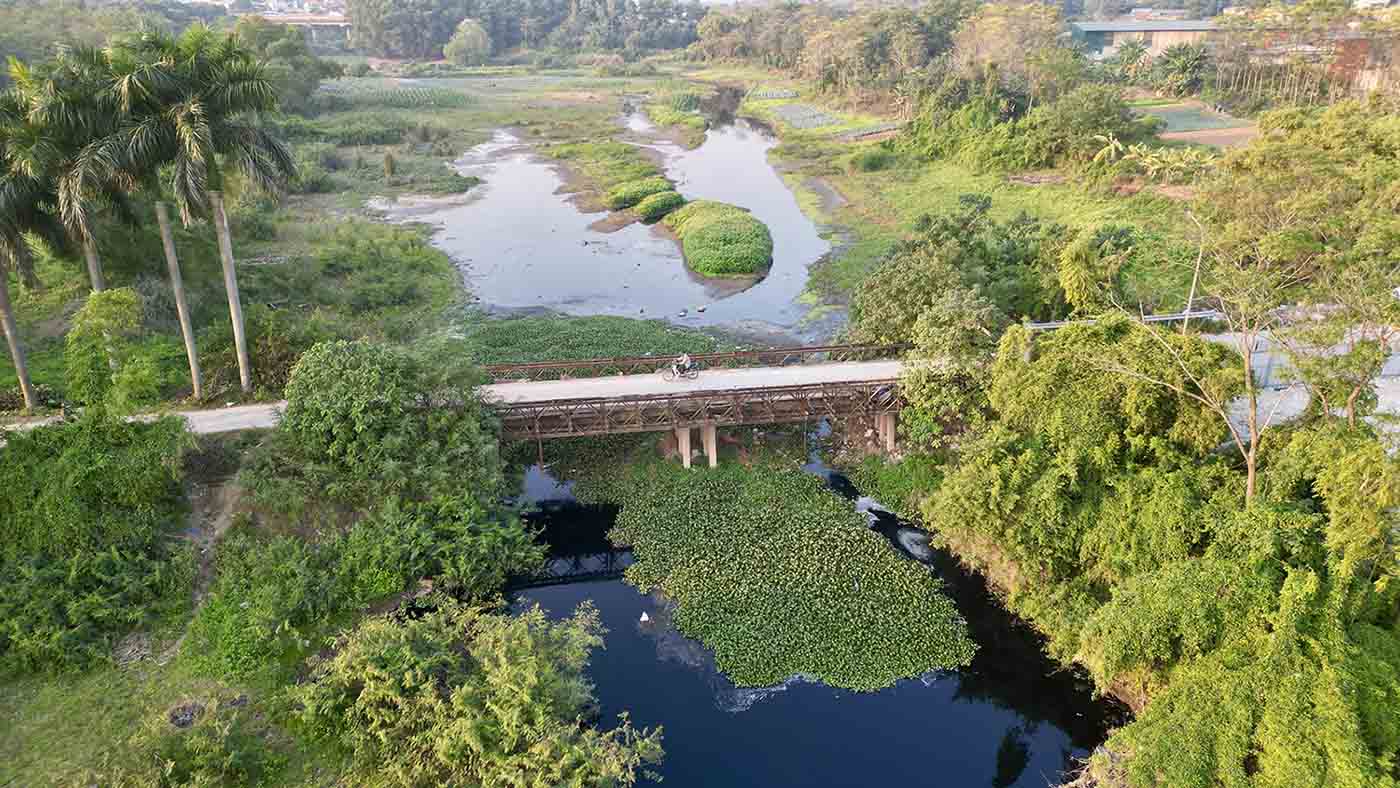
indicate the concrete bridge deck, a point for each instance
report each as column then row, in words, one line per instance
column 717, row 381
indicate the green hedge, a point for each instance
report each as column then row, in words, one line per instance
column 628, row 194
column 655, row 207
column 721, row 240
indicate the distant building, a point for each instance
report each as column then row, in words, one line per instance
column 1102, row 39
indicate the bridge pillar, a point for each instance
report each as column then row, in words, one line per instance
column 710, row 437
column 683, row 444
column 888, row 431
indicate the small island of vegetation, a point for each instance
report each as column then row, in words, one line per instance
column 721, row 240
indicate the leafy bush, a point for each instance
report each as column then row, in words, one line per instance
column 84, row 554
column 782, row 577
column 267, row 599
column 276, row 339
column 873, row 159
column 1005, row 263
column 273, row 597
column 101, row 366
column 721, row 240
column 628, row 194
column 463, row 697
column 470, row 551
column 655, row 207
column 367, row 420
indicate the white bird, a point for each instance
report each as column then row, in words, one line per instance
column 645, row 617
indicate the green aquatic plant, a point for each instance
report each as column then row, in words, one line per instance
column 782, row 577
column 657, row 206
column 626, row 195
column 719, row 239
column 605, row 164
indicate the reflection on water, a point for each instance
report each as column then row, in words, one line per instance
column 521, row 244
column 1011, row 718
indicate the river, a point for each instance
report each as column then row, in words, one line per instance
column 1011, row 718
column 523, row 244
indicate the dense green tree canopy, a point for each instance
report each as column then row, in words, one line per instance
column 420, row 28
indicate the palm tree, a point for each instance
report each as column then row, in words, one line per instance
column 27, row 197
column 66, row 101
column 187, row 107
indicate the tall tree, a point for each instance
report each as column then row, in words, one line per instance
column 64, row 107
column 188, row 108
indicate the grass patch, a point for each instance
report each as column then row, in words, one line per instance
column 721, row 240
column 656, row 206
column 605, row 164
column 626, row 195
column 819, row 594
column 559, row 338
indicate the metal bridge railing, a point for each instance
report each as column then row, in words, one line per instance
column 641, row 365
column 651, row 413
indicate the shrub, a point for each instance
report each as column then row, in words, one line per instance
column 872, row 159
column 83, row 553
column 782, row 577
column 266, row 598
column 272, row 597
column 470, row 550
column 628, row 194
column 276, row 339
column 370, row 420
column 463, row 697
column 99, row 348
column 655, row 207
column 721, row 240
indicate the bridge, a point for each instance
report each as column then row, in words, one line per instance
column 630, row 395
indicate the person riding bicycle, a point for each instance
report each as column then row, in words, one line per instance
column 683, row 365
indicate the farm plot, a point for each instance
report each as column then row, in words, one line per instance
column 805, row 116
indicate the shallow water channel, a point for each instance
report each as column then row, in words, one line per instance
column 1012, row 718
column 522, row 244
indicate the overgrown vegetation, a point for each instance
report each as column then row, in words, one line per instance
column 781, row 577
column 721, row 240
column 628, row 194
column 656, row 207
column 560, row 338
column 88, row 519
column 462, row 695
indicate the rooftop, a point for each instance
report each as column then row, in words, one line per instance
column 1143, row 26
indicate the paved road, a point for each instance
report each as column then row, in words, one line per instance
column 709, row 381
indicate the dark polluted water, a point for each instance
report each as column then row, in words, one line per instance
column 1012, row 718
column 522, row 244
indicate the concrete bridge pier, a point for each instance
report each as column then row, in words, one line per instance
column 683, row 445
column 886, row 426
column 709, row 438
